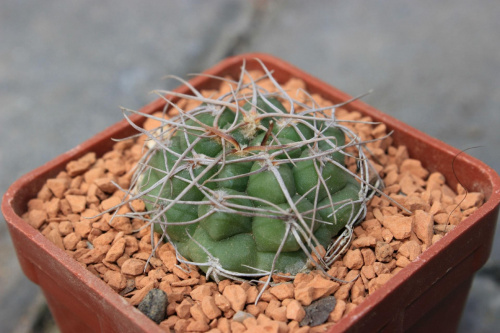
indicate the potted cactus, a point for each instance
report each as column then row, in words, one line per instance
column 251, row 185
column 244, row 187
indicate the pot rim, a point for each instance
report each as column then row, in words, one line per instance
column 395, row 284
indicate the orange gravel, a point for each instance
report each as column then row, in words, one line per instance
column 117, row 251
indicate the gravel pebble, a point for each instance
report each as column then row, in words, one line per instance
column 317, row 313
column 154, row 305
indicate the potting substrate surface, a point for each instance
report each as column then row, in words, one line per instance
column 118, row 249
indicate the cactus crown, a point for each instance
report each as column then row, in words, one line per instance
column 252, row 182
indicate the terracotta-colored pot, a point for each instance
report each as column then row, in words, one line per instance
column 427, row 295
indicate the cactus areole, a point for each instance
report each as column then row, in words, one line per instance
column 243, row 186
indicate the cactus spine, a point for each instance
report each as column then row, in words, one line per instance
column 244, row 187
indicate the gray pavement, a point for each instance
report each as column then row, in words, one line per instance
column 67, row 66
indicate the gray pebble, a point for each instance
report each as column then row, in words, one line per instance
column 240, row 316
column 154, row 305
column 317, row 313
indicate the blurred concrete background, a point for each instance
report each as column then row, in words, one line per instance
column 67, row 66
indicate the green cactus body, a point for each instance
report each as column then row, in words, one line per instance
column 285, row 130
column 308, row 173
column 271, row 105
column 265, row 185
column 271, row 142
column 230, row 170
column 338, row 210
column 250, row 207
column 180, row 213
column 235, row 253
column 219, row 224
column 269, row 232
column 336, row 138
column 210, row 145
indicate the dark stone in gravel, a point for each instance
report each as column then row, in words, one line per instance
column 317, row 313
column 130, row 287
column 154, row 305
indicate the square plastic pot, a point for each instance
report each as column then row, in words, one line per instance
column 427, row 295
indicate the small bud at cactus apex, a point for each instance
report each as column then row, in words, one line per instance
column 244, row 187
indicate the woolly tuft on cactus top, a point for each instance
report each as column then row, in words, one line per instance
column 243, row 186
